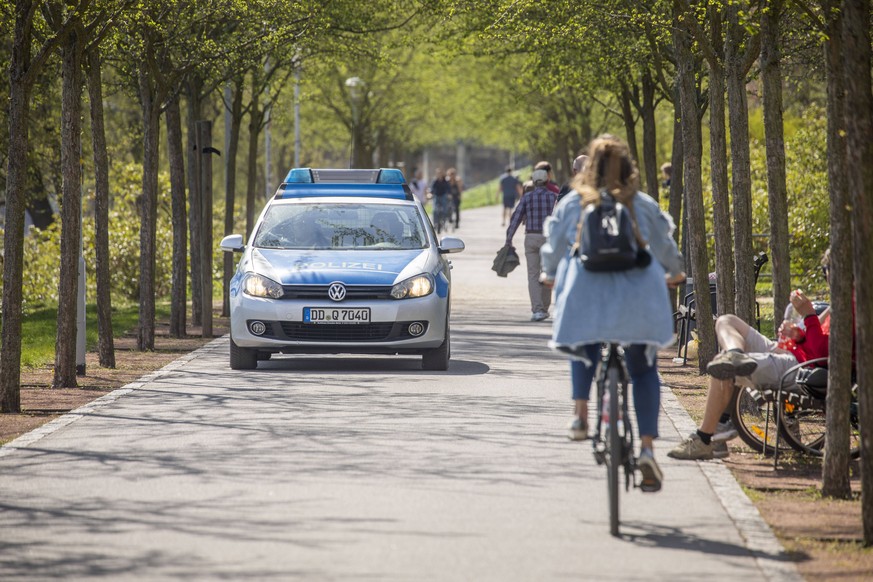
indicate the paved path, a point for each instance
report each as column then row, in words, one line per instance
column 326, row 468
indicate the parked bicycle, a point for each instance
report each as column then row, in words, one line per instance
column 798, row 422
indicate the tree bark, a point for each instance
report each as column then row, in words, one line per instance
column 650, row 138
column 150, row 107
column 20, row 84
column 230, row 189
column 691, row 147
column 630, row 125
column 835, row 468
column 195, row 90
column 718, row 167
column 71, row 210
column 741, row 174
column 777, row 192
column 105, row 335
column 256, row 119
column 859, row 162
column 176, row 153
column 676, row 192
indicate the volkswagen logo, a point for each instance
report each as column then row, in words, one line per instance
column 336, row 291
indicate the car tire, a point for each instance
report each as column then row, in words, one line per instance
column 242, row 358
column 438, row 358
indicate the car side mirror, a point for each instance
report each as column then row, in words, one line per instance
column 451, row 244
column 232, row 243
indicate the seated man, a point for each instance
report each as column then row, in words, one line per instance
column 750, row 359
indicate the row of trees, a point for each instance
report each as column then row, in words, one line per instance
column 543, row 76
column 700, row 57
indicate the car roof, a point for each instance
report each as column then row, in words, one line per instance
column 323, row 183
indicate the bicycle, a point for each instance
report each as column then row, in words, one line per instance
column 613, row 443
column 442, row 213
column 798, row 421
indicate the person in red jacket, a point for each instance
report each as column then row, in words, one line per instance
column 750, row 359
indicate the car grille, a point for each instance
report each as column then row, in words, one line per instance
column 364, row 332
column 352, row 292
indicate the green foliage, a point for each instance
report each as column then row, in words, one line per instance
column 42, row 249
column 808, row 197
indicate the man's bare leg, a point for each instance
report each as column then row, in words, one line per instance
column 717, row 399
column 732, row 361
column 731, row 332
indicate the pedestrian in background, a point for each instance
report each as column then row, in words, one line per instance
column 578, row 166
column 550, row 183
column 456, row 189
column 533, row 210
column 509, row 189
column 418, row 186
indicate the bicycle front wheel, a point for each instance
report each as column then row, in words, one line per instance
column 615, row 457
column 755, row 422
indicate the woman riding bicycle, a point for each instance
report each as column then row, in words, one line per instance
column 629, row 307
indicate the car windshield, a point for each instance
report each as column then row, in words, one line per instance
column 341, row 226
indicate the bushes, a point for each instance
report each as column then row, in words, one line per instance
column 42, row 248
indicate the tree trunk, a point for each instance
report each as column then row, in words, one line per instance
column 777, row 192
column 835, row 468
column 676, row 192
column 20, row 85
column 230, row 189
column 176, row 153
column 256, row 118
column 718, row 167
column 650, row 141
column 195, row 89
column 105, row 335
column 149, row 209
column 691, row 147
column 630, row 124
column 71, row 211
column 859, row 129
column 741, row 172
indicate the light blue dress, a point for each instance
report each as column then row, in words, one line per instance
column 626, row 307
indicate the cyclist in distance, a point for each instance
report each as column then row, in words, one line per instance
column 629, row 307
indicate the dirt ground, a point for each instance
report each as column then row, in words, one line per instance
column 823, row 535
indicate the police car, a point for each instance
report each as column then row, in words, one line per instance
column 341, row 261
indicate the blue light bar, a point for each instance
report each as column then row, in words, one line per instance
column 299, row 176
column 334, row 190
column 390, row 176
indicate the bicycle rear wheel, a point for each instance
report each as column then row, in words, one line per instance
column 804, row 429
column 615, row 458
column 754, row 425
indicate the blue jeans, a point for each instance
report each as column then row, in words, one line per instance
column 646, row 384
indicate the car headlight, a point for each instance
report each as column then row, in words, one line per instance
column 417, row 286
column 260, row 286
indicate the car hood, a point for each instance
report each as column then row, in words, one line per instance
column 297, row 267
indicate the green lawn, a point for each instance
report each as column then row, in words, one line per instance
column 39, row 330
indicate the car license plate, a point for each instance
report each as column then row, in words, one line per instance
column 336, row 315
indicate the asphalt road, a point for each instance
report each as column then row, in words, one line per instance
column 329, row 468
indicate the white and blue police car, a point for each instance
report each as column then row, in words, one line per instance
column 341, row 261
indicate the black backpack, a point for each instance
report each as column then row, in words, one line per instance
column 607, row 237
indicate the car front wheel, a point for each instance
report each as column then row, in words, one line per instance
column 438, row 358
column 242, row 358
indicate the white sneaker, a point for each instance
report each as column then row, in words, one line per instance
column 539, row 316
column 577, row 430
